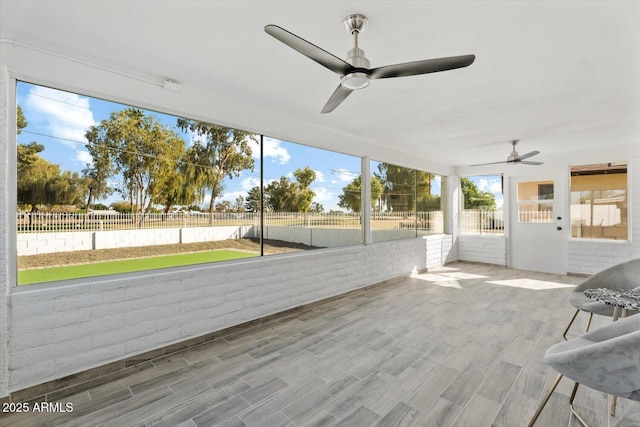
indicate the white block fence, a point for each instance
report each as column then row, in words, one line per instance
column 75, row 326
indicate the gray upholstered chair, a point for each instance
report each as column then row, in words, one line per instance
column 620, row 276
column 606, row 359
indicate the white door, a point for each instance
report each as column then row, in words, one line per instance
column 537, row 233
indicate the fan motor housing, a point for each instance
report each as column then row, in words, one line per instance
column 356, row 58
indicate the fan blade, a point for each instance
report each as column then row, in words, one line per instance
column 310, row 50
column 493, row 163
column 339, row 95
column 531, row 163
column 526, row 156
column 422, row 67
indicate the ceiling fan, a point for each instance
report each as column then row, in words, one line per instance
column 354, row 72
column 516, row 158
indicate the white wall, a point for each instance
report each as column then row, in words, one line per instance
column 42, row 243
column 209, row 234
column 439, row 250
column 61, row 329
column 487, row 249
column 320, row 237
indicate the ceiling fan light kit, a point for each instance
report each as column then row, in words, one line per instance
column 355, row 72
column 355, row 81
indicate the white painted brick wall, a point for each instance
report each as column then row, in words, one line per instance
column 438, row 250
column 41, row 243
column 487, row 249
column 135, row 238
column 58, row 330
column 209, row 234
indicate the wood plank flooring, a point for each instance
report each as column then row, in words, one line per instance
column 461, row 345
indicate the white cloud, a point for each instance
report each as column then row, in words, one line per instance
column 84, row 156
column 319, row 177
column 326, row 198
column 344, row 175
column 248, row 183
column 231, row 196
column 272, row 148
column 492, row 186
column 63, row 114
column 323, row 194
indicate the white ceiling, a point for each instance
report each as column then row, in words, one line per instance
column 563, row 77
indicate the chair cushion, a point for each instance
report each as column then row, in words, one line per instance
column 620, row 276
column 580, row 301
column 606, row 359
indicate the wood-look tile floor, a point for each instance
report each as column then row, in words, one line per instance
column 461, row 345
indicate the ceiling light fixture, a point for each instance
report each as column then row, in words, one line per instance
column 355, row 81
column 172, row 85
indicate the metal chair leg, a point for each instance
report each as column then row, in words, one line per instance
column 589, row 323
column 573, row 410
column 564, row 335
column 545, row 400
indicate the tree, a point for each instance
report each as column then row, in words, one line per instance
column 223, row 206
column 285, row 195
column 304, row 178
column 41, row 182
column 21, row 122
column 223, row 153
column 402, row 186
column 281, row 195
column 238, row 204
column 27, row 154
column 173, row 186
column 474, row 198
column 428, row 202
column 351, row 194
column 143, row 151
column 317, row 207
column 121, row 206
column 252, row 201
column 96, row 176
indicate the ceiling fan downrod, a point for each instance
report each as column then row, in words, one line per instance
column 358, row 79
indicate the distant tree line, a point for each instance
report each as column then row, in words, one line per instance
column 396, row 188
column 156, row 168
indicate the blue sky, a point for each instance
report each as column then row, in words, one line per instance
column 59, row 120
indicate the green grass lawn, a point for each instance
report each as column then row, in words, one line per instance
column 28, row 277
